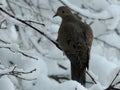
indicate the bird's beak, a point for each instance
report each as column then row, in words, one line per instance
column 55, row 15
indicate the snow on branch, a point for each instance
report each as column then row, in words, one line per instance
column 91, row 77
column 25, row 23
column 112, row 46
column 104, row 15
column 14, row 48
column 16, row 72
column 111, row 14
column 111, row 86
column 58, row 78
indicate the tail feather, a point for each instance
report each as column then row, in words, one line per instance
column 78, row 73
column 78, row 67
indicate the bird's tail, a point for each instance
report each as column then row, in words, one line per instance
column 78, row 73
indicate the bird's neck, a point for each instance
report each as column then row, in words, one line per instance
column 68, row 18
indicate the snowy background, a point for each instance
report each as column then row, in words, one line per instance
column 30, row 61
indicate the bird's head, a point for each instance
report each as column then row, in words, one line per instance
column 63, row 11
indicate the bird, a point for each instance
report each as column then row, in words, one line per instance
column 75, row 40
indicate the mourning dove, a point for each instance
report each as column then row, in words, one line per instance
column 75, row 39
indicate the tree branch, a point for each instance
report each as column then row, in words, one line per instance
column 58, row 78
column 22, row 21
column 18, row 51
column 12, row 71
column 107, row 44
column 111, row 86
column 91, row 77
column 83, row 14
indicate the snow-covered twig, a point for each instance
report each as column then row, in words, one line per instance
column 3, row 24
column 111, row 86
column 30, row 21
column 91, row 77
column 61, row 66
column 58, row 78
column 118, row 33
column 27, row 55
column 39, row 9
column 8, row 3
column 115, row 77
column 5, row 42
column 22, row 21
column 66, row 3
column 50, row 3
column 14, row 49
column 107, row 44
column 16, row 72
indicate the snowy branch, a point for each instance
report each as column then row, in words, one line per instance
column 22, row 21
column 89, row 15
column 30, row 21
column 16, row 72
column 107, row 43
column 91, row 77
column 14, row 49
column 58, row 78
column 8, row 3
column 112, row 86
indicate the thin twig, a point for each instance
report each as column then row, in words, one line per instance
column 91, row 77
column 24, row 78
column 22, row 21
column 107, row 44
column 39, row 9
column 118, row 33
column 116, row 83
column 115, row 78
column 19, row 51
column 111, row 86
column 17, row 73
column 35, row 22
column 61, row 66
column 10, row 7
column 50, row 2
column 4, row 41
column 27, row 55
column 58, row 78
column 84, row 15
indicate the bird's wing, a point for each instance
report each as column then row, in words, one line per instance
column 88, row 34
column 73, row 41
column 88, row 38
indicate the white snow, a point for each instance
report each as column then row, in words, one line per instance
column 6, row 84
column 22, row 48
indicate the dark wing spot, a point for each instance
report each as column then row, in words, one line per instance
column 74, row 46
column 69, row 41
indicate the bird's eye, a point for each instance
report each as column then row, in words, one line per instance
column 62, row 11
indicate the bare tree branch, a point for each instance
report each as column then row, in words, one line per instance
column 22, row 21
column 50, row 2
column 118, row 33
column 17, row 51
column 8, row 3
column 61, row 66
column 4, row 41
column 58, row 78
column 85, row 15
column 30, row 21
column 107, row 44
column 91, row 77
column 16, row 73
column 112, row 86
